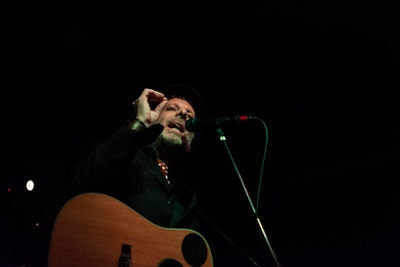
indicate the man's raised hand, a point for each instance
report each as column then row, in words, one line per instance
column 143, row 106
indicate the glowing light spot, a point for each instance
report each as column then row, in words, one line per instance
column 30, row 185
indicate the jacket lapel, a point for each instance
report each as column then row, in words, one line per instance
column 156, row 172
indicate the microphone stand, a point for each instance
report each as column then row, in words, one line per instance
column 226, row 238
column 222, row 138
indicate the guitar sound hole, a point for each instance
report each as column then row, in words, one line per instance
column 170, row 263
column 194, row 250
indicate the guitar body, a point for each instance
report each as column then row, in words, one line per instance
column 92, row 228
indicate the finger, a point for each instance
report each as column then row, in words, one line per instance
column 155, row 100
column 152, row 95
column 149, row 96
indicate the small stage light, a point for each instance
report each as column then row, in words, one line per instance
column 30, row 185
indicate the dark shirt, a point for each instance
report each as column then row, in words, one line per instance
column 125, row 167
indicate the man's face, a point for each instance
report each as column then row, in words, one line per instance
column 173, row 117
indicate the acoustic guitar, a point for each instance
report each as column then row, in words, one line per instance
column 97, row 230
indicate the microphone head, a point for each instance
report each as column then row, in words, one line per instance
column 192, row 125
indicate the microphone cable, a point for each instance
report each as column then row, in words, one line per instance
column 262, row 163
column 272, row 251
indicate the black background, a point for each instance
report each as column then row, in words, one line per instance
column 322, row 74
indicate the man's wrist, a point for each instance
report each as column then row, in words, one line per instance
column 137, row 125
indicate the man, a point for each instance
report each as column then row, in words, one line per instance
column 138, row 163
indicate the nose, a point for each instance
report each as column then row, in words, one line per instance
column 183, row 114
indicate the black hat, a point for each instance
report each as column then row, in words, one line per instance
column 186, row 92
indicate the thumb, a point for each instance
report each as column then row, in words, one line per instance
column 160, row 106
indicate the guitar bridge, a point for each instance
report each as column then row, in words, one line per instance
column 125, row 260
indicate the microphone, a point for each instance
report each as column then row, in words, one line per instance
column 196, row 124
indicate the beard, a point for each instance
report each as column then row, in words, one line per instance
column 169, row 142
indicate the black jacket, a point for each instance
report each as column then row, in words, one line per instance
column 125, row 167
